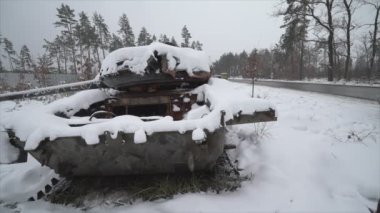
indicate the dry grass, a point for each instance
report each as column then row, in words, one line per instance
column 87, row 191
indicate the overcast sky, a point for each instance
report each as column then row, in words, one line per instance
column 221, row 26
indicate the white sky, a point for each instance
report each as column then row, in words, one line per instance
column 221, row 26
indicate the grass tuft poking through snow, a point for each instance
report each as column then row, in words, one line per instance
column 86, row 192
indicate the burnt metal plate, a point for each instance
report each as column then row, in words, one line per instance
column 124, row 80
column 167, row 152
column 261, row 116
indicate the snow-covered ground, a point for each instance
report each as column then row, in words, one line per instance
column 372, row 83
column 322, row 155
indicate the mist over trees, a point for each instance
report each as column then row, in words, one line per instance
column 317, row 43
column 83, row 42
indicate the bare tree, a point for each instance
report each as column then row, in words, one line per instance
column 328, row 25
column 44, row 64
column 348, row 6
column 376, row 5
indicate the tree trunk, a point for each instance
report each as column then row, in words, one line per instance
column 374, row 40
column 58, row 64
column 81, row 55
column 338, row 67
column 10, row 61
column 89, row 63
column 348, row 39
column 104, row 55
column 65, row 59
column 98, row 57
column 72, row 48
column 74, row 60
column 301, row 61
column 330, row 70
column 330, row 41
column 23, row 67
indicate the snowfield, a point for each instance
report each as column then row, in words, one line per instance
column 322, row 155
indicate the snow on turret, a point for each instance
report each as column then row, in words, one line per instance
column 136, row 59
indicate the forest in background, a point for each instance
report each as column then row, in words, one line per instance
column 317, row 43
column 82, row 44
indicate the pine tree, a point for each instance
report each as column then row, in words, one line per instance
column 186, row 37
column 292, row 41
column 173, row 41
column 53, row 49
column 243, row 63
column 163, row 39
column 44, row 64
column 144, row 37
column 67, row 21
column 154, row 38
column 78, row 39
column 126, row 32
column 115, row 43
column 25, row 59
column 11, row 53
column 1, row 44
column 59, row 40
column 102, row 31
column 199, row 45
column 196, row 45
column 88, row 37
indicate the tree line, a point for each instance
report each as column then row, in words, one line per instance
column 81, row 45
column 317, row 43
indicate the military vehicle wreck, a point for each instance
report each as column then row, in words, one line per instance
column 151, row 109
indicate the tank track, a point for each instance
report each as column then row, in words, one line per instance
column 50, row 187
column 124, row 190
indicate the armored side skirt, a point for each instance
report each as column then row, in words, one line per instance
column 162, row 153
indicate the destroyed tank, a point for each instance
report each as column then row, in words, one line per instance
column 151, row 109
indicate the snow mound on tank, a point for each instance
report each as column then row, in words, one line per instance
column 35, row 122
column 136, row 59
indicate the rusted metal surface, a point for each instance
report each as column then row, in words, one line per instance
column 174, row 103
column 127, row 81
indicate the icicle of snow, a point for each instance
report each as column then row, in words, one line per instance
column 140, row 136
column 176, row 108
column 198, row 135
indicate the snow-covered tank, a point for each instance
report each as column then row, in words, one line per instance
column 151, row 109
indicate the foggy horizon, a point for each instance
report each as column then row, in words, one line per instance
column 222, row 26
